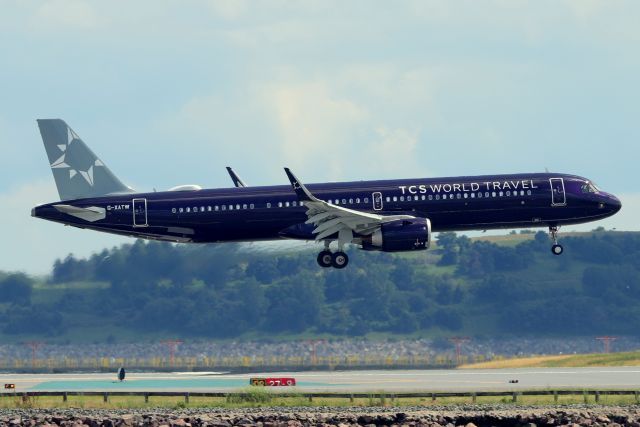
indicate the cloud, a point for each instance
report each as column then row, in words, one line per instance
column 316, row 126
column 60, row 16
column 228, row 9
column 398, row 144
column 32, row 244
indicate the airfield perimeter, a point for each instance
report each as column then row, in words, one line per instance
column 373, row 413
column 344, row 381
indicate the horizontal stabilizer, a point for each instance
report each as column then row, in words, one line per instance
column 91, row 214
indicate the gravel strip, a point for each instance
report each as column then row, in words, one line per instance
column 449, row 416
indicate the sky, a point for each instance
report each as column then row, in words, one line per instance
column 169, row 93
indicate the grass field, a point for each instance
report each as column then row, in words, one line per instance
column 631, row 358
column 253, row 399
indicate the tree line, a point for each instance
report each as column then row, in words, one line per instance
column 466, row 287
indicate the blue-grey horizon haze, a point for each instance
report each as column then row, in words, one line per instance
column 169, row 93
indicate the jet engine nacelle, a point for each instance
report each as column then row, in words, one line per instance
column 404, row 235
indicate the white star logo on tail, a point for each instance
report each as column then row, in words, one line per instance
column 61, row 162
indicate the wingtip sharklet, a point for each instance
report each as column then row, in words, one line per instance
column 237, row 181
column 301, row 191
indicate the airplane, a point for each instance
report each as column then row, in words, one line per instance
column 390, row 216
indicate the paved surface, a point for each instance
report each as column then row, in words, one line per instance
column 345, row 381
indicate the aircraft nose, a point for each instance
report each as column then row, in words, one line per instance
column 615, row 203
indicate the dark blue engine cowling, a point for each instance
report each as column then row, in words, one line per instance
column 404, row 235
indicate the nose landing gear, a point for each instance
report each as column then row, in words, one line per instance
column 556, row 248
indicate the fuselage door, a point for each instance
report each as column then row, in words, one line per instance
column 558, row 197
column 377, row 201
column 140, row 213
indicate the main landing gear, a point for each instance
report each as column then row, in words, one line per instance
column 327, row 259
column 556, row 248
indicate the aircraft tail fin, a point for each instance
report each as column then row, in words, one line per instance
column 77, row 171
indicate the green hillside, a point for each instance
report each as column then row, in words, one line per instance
column 491, row 286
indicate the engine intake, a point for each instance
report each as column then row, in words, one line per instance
column 404, row 235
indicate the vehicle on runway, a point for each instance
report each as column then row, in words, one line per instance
column 390, row 216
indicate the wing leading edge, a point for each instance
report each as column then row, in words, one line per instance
column 331, row 219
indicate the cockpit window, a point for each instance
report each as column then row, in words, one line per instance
column 589, row 188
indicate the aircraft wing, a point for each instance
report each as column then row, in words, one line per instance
column 330, row 219
column 237, row 181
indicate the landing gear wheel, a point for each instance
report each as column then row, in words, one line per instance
column 556, row 248
column 325, row 259
column 339, row 260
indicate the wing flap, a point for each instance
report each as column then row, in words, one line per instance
column 330, row 219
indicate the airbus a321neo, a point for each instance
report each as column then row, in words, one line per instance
column 394, row 215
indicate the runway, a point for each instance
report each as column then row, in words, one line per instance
column 343, row 381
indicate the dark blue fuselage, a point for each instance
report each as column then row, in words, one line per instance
column 273, row 212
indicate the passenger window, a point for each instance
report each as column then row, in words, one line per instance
column 522, row 192
column 244, row 206
column 388, row 199
column 473, row 195
column 201, row 208
column 286, row 204
column 357, row 199
column 181, row 210
column 208, row 208
column 344, row 201
column 224, row 207
column 301, row 203
column 251, row 206
column 402, row 198
column 395, row 198
column 508, row 193
column 493, row 194
column 230, row 207
column 458, row 196
column 237, row 207
column 294, row 203
column 479, row 195
column 188, row 209
column 216, row 208
column 430, row 196
column 268, row 205
column 487, row 194
column 337, row 202
column 501, row 194
column 528, row 192
column 279, row 204
column 466, row 195
column 350, row 201
column 437, row 197
column 366, row 199
column 173, row 210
